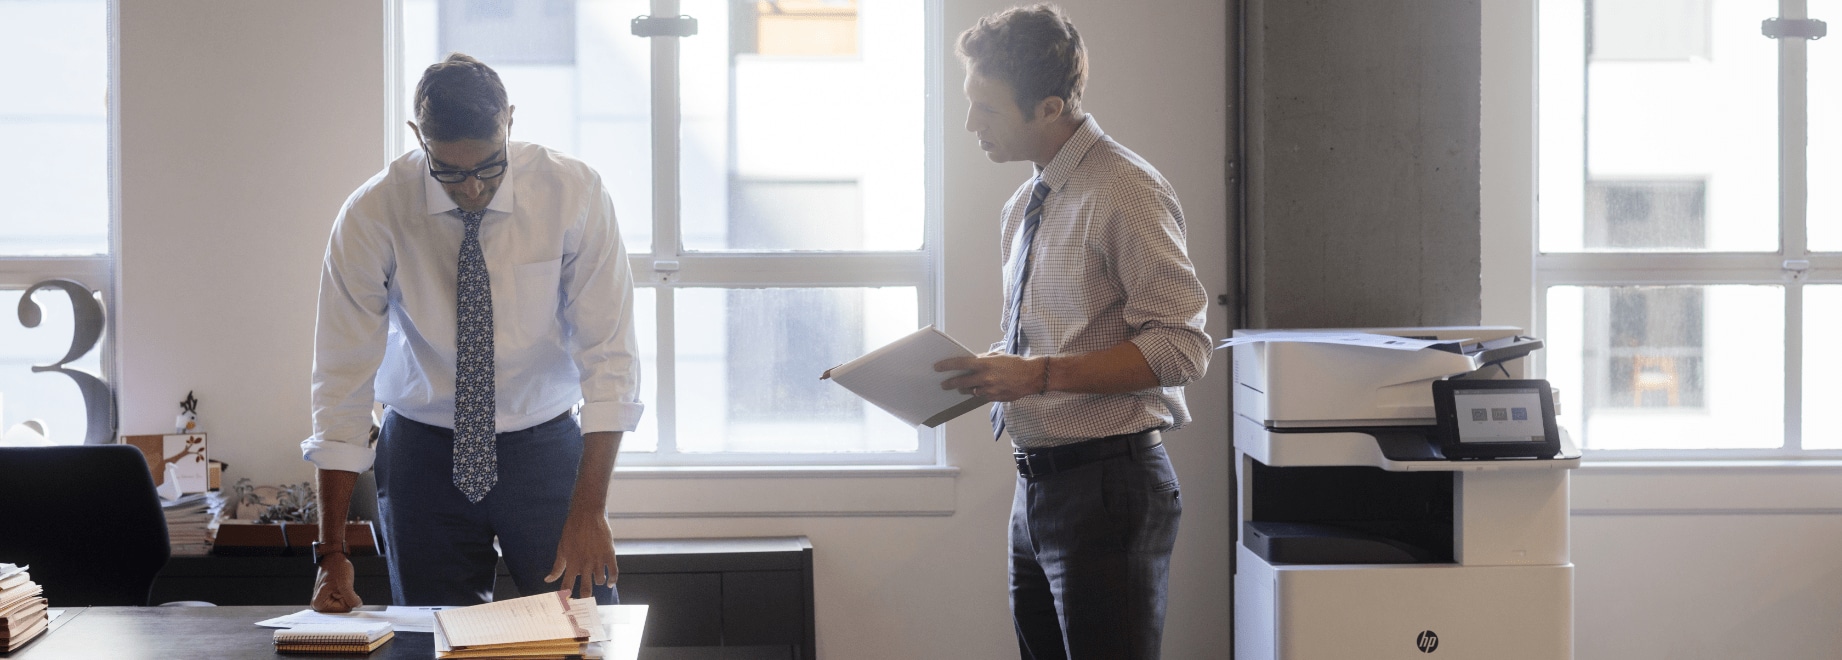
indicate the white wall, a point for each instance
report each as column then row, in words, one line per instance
column 243, row 128
column 245, row 125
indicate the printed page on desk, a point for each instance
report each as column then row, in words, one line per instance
column 900, row 378
column 543, row 617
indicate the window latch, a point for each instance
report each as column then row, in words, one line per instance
column 1794, row 28
column 1796, row 269
column 664, row 26
column 665, row 271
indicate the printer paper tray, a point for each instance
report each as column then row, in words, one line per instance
column 1338, row 447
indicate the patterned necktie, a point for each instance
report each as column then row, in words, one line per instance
column 1020, row 273
column 476, row 457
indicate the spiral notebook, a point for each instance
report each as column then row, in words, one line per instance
column 354, row 637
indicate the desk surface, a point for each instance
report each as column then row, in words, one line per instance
column 206, row 633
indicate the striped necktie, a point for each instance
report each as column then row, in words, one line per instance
column 1020, row 274
column 476, row 457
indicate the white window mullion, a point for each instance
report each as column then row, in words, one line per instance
column 1793, row 131
column 665, row 410
column 665, row 140
column 666, row 241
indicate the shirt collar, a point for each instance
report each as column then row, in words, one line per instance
column 1062, row 166
column 439, row 202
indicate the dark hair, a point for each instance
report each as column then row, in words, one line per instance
column 459, row 98
column 1035, row 49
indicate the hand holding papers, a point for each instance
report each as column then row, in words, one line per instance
column 900, row 378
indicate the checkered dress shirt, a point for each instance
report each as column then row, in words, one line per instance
column 1108, row 264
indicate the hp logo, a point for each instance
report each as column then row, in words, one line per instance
column 1427, row 642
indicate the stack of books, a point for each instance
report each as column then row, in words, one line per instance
column 547, row 625
column 343, row 638
column 186, row 519
column 23, row 612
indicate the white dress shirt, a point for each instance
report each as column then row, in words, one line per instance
column 1108, row 264
column 562, row 297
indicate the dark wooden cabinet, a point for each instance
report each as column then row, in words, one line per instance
column 716, row 598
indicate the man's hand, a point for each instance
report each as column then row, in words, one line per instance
column 587, row 550
column 997, row 376
column 332, row 589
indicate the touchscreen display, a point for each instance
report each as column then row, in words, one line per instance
column 1499, row 415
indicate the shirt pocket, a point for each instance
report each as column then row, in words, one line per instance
column 535, row 291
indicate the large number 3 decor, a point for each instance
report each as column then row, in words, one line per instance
column 98, row 401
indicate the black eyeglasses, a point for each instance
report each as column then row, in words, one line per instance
column 483, row 172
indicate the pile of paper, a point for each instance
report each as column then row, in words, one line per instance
column 546, row 625
column 186, row 519
column 351, row 638
column 23, row 613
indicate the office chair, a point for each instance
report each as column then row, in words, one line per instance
column 86, row 518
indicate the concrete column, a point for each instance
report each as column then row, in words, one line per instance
column 1362, row 162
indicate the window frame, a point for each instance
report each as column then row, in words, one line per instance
column 1792, row 266
column 667, row 265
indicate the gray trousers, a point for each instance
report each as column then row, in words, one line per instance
column 1090, row 558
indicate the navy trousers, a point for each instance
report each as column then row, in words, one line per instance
column 1090, row 558
column 440, row 546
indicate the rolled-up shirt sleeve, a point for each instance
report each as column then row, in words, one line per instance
column 598, row 316
column 349, row 336
column 1165, row 302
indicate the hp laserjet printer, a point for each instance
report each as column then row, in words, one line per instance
column 1403, row 494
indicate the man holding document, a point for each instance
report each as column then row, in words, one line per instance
column 1103, row 325
column 478, row 288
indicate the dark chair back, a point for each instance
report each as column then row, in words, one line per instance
column 86, row 518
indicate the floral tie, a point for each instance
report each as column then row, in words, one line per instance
column 476, row 458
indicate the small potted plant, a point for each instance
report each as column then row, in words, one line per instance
column 282, row 521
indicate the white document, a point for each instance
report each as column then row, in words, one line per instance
column 900, row 378
column 403, row 619
column 1345, row 338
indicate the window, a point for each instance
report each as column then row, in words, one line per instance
column 771, row 175
column 55, row 119
column 1688, row 273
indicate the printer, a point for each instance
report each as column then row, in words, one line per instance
column 1402, row 492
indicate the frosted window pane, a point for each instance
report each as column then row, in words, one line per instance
column 1825, row 151
column 1658, row 126
column 748, row 365
column 804, row 129
column 580, row 80
column 49, row 397
column 1679, row 367
column 54, row 120
column 1822, row 364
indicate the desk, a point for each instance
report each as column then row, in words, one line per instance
column 230, row 633
column 747, row 594
column 204, row 633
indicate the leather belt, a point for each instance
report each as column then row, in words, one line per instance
column 1032, row 463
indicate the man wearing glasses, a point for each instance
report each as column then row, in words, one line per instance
column 478, row 288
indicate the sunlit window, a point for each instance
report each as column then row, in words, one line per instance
column 54, row 119
column 779, row 232
column 1688, row 215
